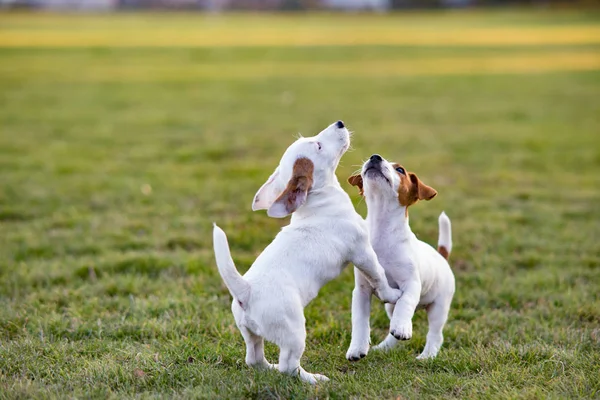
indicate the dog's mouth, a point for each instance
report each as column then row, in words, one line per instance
column 372, row 172
column 344, row 148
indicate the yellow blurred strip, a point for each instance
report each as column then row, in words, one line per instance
column 227, row 36
column 62, row 70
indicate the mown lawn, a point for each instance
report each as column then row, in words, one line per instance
column 123, row 137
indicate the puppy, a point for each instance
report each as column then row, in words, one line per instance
column 422, row 273
column 324, row 235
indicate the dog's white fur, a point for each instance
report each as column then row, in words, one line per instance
column 325, row 234
column 415, row 267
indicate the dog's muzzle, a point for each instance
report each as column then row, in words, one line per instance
column 373, row 167
column 374, row 163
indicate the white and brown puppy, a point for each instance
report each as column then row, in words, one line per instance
column 411, row 265
column 324, row 235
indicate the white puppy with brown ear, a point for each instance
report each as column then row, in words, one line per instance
column 422, row 273
column 324, row 235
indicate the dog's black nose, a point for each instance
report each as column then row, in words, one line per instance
column 376, row 157
column 340, row 124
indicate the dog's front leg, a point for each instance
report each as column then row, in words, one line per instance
column 366, row 261
column 401, row 321
column 361, row 312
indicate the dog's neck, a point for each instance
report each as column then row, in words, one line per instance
column 326, row 200
column 387, row 219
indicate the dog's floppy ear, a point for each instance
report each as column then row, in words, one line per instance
column 296, row 191
column 267, row 193
column 356, row 180
column 422, row 191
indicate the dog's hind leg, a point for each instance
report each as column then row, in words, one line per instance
column 255, row 350
column 289, row 358
column 389, row 342
column 437, row 314
column 386, row 344
column 255, row 344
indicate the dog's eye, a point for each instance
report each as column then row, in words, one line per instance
column 318, row 145
column 401, row 170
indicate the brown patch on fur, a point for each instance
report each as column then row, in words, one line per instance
column 356, row 180
column 300, row 183
column 444, row 252
column 411, row 189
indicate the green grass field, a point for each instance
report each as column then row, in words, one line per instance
column 123, row 137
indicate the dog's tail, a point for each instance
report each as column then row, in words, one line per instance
column 445, row 236
column 237, row 285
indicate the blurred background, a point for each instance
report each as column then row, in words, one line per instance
column 282, row 5
column 125, row 133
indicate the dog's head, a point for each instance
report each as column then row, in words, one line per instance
column 308, row 164
column 381, row 179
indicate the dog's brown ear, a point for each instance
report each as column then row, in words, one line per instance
column 356, row 180
column 296, row 191
column 422, row 191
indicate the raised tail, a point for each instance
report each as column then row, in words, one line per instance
column 445, row 236
column 237, row 285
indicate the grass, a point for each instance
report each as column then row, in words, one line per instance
column 122, row 137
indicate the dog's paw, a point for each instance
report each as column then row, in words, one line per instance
column 387, row 344
column 262, row 364
column 389, row 295
column 313, row 379
column 355, row 352
column 382, row 347
column 428, row 353
column 426, row 356
column 319, row 377
column 402, row 332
